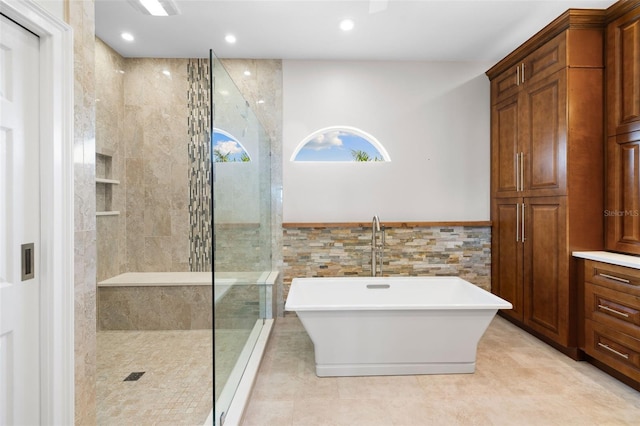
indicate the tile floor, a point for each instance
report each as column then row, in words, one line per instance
column 518, row 381
column 176, row 389
column 228, row 345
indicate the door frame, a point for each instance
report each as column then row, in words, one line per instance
column 56, row 263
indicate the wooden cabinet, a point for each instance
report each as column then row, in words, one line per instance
column 612, row 317
column 546, row 268
column 544, row 61
column 622, row 208
column 623, row 71
column 622, row 213
column 530, row 263
column 528, row 133
column 507, row 253
column 547, row 171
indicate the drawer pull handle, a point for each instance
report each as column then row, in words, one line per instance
column 613, row 311
column 607, row 347
column 611, row 277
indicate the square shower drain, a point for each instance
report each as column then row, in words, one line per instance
column 134, row 376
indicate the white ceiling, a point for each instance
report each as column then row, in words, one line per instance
column 431, row 30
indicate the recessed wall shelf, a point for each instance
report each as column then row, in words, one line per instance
column 104, row 186
column 108, row 181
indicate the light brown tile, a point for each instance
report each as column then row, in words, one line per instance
column 177, row 387
column 518, row 380
column 269, row 413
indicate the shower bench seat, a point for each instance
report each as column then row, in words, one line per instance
column 181, row 300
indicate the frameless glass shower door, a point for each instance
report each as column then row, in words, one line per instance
column 241, row 198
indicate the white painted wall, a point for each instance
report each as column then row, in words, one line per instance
column 433, row 119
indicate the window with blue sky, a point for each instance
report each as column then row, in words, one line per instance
column 227, row 149
column 340, row 143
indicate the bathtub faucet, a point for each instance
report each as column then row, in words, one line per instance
column 377, row 246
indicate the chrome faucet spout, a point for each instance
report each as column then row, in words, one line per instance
column 376, row 248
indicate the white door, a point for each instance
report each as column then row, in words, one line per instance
column 19, row 225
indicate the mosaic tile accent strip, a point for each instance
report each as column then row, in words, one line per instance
column 200, row 214
column 463, row 251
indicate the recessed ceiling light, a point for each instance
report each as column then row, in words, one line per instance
column 166, row 72
column 127, row 36
column 247, row 73
column 346, row 25
column 230, row 38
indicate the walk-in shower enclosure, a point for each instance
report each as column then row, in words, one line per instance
column 183, row 198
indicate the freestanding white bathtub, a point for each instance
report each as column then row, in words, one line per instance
column 393, row 325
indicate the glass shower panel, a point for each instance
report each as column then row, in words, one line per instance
column 240, row 155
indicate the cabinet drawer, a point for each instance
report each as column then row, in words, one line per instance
column 620, row 278
column 612, row 308
column 615, row 349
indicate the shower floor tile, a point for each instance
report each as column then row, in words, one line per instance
column 519, row 380
column 176, row 387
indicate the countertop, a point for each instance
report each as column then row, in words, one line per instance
column 610, row 257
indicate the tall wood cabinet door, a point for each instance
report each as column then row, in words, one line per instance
column 623, row 73
column 544, row 136
column 505, row 160
column 506, row 254
column 546, row 267
column 622, row 212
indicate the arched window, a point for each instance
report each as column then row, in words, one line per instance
column 227, row 149
column 340, row 143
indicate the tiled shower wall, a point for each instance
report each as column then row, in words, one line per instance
column 142, row 129
column 81, row 17
column 199, row 125
column 156, row 163
column 329, row 251
column 110, row 125
column 152, row 127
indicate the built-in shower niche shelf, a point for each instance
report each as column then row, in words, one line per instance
column 104, row 186
column 108, row 181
